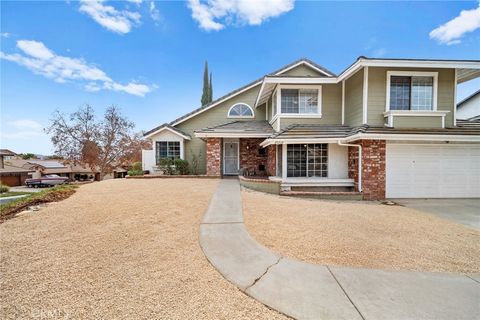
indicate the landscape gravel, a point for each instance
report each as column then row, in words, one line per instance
column 360, row 234
column 118, row 249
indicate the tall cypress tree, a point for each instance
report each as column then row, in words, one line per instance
column 210, row 89
column 206, row 87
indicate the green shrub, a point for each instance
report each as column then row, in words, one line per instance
column 137, row 166
column 195, row 161
column 166, row 164
column 172, row 167
column 4, row 188
column 135, row 172
column 181, row 166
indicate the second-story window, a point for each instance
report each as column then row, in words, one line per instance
column 302, row 101
column 411, row 93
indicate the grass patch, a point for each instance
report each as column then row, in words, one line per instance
column 9, row 210
column 12, row 193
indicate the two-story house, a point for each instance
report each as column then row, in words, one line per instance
column 383, row 127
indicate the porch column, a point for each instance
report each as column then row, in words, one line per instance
column 272, row 160
column 214, row 156
column 284, row 161
column 373, row 169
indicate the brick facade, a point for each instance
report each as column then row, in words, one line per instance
column 373, row 168
column 214, row 156
column 251, row 157
column 353, row 165
column 271, row 160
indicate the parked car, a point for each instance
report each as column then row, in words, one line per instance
column 46, row 181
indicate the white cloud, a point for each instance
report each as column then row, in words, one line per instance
column 373, row 48
column 215, row 14
column 451, row 32
column 109, row 17
column 25, row 124
column 380, row 52
column 35, row 49
column 41, row 60
column 5, row 34
column 154, row 13
column 138, row 2
column 23, row 129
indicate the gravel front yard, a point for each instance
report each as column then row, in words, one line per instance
column 118, row 249
column 360, row 234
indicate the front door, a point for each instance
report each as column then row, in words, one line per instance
column 230, row 157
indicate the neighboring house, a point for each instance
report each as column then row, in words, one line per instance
column 9, row 175
column 469, row 107
column 383, row 127
column 44, row 167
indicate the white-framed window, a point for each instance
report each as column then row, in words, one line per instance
column 307, row 160
column 411, row 91
column 296, row 101
column 167, row 149
column 240, row 110
column 299, row 101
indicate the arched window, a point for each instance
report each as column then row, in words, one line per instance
column 240, row 110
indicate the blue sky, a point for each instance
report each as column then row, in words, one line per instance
column 148, row 58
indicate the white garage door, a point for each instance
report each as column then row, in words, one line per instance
column 432, row 171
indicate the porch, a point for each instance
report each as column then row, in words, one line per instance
column 252, row 149
column 239, row 156
column 308, row 167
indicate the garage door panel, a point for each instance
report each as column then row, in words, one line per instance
column 432, row 171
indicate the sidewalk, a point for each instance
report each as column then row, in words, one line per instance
column 307, row 291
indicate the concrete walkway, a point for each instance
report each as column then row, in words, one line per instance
column 307, row 291
column 463, row 211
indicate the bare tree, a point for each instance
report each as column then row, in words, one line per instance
column 133, row 149
column 103, row 144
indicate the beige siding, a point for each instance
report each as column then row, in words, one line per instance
column 332, row 104
column 377, row 84
column 417, row 122
column 215, row 116
column 354, row 99
column 285, row 122
column 260, row 112
column 302, row 71
column 446, row 93
column 275, row 124
column 377, row 89
column 269, row 103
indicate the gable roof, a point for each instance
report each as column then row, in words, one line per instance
column 6, row 152
column 467, row 69
column 476, row 93
column 12, row 169
column 252, row 84
column 309, row 63
column 167, row 126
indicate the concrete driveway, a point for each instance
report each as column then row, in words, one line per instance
column 463, row 211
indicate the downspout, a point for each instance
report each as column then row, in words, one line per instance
column 360, row 188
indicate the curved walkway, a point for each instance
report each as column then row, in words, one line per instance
column 307, row 291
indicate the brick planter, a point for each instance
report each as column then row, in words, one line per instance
column 259, row 184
